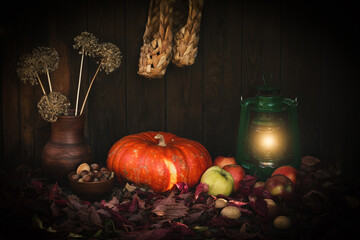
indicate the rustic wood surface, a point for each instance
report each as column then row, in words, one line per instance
column 311, row 49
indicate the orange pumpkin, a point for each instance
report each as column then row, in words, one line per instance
column 158, row 160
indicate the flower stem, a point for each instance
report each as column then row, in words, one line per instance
column 79, row 83
column 48, row 77
column 91, row 83
column 43, row 90
column 42, row 87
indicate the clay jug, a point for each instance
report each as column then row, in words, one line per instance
column 66, row 149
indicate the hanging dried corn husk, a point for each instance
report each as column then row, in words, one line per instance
column 187, row 38
column 156, row 52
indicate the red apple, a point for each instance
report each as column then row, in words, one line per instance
column 237, row 172
column 279, row 186
column 287, row 171
column 222, row 161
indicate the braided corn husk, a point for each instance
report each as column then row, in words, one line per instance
column 156, row 52
column 187, row 38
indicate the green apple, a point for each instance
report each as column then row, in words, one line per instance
column 219, row 181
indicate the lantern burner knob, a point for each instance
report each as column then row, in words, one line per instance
column 268, row 90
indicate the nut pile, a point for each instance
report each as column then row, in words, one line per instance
column 91, row 173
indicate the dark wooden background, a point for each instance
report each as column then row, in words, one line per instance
column 310, row 47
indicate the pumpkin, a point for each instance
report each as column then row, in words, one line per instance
column 158, row 160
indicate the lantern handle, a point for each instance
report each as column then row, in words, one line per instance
column 294, row 127
column 263, row 77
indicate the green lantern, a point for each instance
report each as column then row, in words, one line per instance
column 268, row 133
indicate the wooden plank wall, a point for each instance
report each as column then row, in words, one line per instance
column 311, row 48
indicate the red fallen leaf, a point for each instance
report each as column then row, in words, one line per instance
column 141, row 203
column 55, row 192
column 60, row 202
column 237, row 203
column 260, row 206
column 37, row 185
column 137, row 218
column 112, row 204
column 86, row 220
column 169, row 208
column 133, row 208
column 224, row 222
column 200, row 188
column 187, row 198
column 182, row 229
column 54, row 209
column 124, row 206
column 71, row 213
column 120, row 221
column 246, row 185
column 95, row 218
column 104, row 213
column 248, row 181
column 154, row 234
column 183, row 187
column 74, row 203
column 193, row 217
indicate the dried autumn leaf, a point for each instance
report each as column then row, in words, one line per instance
column 37, row 185
column 74, row 203
column 169, row 208
column 130, row 188
column 55, row 192
column 183, row 187
column 94, row 216
column 112, row 204
column 200, row 188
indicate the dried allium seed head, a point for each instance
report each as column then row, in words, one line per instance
column 87, row 43
column 110, row 56
column 52, row 105
column 47, row 59
column 26, row 69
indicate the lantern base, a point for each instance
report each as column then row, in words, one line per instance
column 262, row 172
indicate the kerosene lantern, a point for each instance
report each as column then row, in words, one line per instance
column 268, row 134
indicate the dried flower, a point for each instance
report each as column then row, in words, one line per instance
column 110, row 56
column 52, row 105
column 47, row 59
column 87, row 43
column 27, row 69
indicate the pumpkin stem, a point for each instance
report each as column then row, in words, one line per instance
column 161, row 140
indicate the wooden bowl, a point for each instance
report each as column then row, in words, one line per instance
column 91, row 191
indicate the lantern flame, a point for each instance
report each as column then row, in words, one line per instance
column 268, row 141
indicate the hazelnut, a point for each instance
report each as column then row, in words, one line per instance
column 103, row 169
column 83, row 173
column 96, row 180
column 81, row 167
column 273, row 209
column 98, row 174
column 282, row 222
column 231, row 212
column 81, row 180
column 220, row 203
column 87, row 178
column 106, row 176
column 94, row 166
column 74, row 177
column 102, row 179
